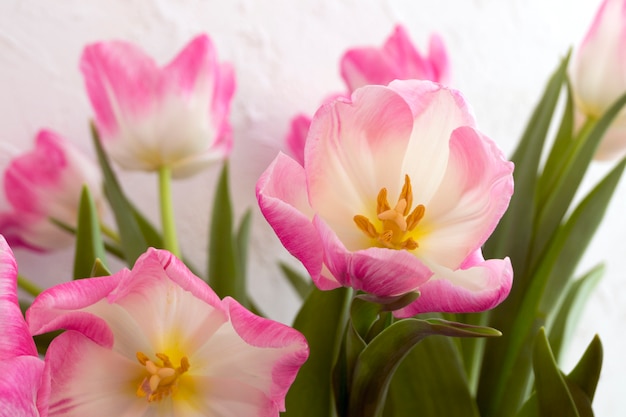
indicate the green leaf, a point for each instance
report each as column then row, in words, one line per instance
column 560, row 152
column 223, row 274
column 581, row 383
column 379, row 360
column 243, row 240
column 322, row 320
column 586, row 374
column 89, row 244
column 527, row 157
column 571, row 308
column 431, row 382
column 300, row 284
column 99, row 269
column 558, row 199
column 553, row 395
column 132, row 240
column 510, row 358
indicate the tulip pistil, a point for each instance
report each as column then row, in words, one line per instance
column 396, row 222
column 162, row 380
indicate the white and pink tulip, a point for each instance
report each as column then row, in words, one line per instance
column 150, row 117
column 398, row 193
column 157, row 341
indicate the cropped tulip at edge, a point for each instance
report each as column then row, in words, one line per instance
column 398, row 58
column 397, row 194
column 150, row 117
column 598, row 74
column 23, row 387
column 46, row 183
column 156, row 340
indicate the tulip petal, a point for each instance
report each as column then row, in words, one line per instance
column 15, row 339
column 286, row 208
column 397, row 59
column 91, row 380
column 438, row 111
column 64, row 307
column 471, row 199
column 296, row 138
column 478, row 286
column 380, row 271
column 19, row 386
column 352, row 151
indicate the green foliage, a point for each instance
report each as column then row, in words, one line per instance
column 89, row 244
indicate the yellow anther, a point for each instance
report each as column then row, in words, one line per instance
column 161, row 381
column 396, row 222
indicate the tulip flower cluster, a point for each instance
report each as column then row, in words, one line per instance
column 401, row 210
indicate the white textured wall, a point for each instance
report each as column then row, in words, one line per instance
column 286, row 57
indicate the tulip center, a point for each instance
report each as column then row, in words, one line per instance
column 162, row 380
column 394, row 224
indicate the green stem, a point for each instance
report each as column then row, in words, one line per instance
column 170, row 240
column 28, row 286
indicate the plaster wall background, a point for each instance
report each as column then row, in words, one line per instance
column 286, row 56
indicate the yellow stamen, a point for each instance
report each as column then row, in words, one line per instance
column 162, row 380
column 396, row 222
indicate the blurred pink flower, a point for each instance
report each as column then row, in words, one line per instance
column 398, row 59
column 397, row 194
column 150, row 117
column 598, row 74
column 45, row 184
column 158, row 341
column 24, row 389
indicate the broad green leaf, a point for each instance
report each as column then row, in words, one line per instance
column 512, row 238
column 553, row 208
column 223, row 275
column 431, row 382
column 511, row 357
column 526, row 157
column 364, row 316
column 322, row 320
column 581, row 382
column 586, row 374
column 110, row 248
column 380, row 358
column 89, row 245
column 132, row 240
column 571, row 308
column 553, row 395
column 300, row 284
column 572, row 239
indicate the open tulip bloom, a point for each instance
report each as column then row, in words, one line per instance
column 397, row 194
column 156, row 341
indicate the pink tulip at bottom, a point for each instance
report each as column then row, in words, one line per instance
column 157, row 341
column 397, row 194
column 23, row 386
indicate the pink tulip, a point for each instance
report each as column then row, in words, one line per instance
column 397, row 59
column 151, row 117
column 158, row 341
column 397, row 194
column 23, row 387
column 598, row 74
column 45, row 184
